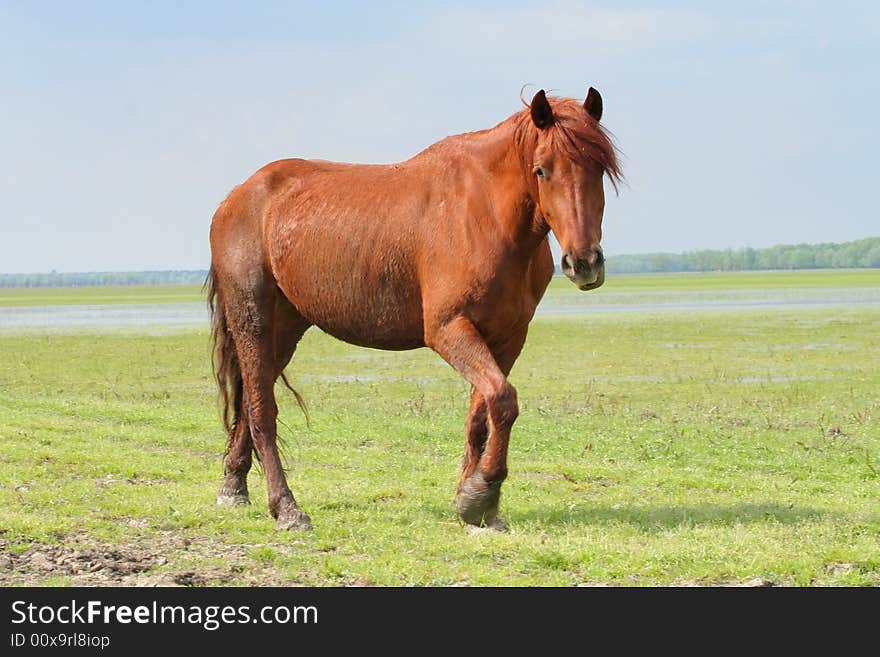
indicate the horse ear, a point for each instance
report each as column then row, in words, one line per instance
column 542, row 114
column 593, row 104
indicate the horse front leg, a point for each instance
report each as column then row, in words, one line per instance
column 476, row 432
column 460, row 344
column 471, row 485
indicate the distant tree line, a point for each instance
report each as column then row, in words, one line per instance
column 85, row 279
column 861, row 253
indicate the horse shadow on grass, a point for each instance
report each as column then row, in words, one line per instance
column 661, row 518
column 655, row 519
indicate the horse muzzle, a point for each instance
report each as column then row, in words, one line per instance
column 587, row 272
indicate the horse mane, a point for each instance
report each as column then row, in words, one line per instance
column 575, row 134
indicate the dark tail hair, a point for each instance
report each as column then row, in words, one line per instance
column 227, row 371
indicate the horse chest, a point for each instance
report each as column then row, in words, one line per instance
column 496, row 315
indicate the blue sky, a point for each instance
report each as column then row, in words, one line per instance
column 125, row 124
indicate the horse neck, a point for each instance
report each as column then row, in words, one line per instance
column 505, row 158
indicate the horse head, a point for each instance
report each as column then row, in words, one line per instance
column 572, row 153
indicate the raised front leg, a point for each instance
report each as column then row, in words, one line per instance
column 477, row 426
column 460, row 344
column 476, row 432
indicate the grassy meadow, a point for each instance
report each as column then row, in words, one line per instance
column 652, row 448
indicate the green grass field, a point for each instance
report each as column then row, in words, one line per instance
column 651, row 449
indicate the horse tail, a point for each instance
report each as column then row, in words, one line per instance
column 300, row 400
column 227, row 371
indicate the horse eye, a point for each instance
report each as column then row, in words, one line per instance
column 539, row 172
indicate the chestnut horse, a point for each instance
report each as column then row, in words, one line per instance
column 446, row 250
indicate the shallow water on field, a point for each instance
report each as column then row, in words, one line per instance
column 188, row 315
column 714, row 300
column 141, row 315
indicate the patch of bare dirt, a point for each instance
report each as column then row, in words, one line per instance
column 839, row 568
column 749, row 582
column 112, row 480
column 149, row 562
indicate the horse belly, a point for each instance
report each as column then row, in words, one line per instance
column 371, row 304
column 382, row 322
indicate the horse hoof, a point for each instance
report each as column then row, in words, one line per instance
column 232, row 498
column 495, row 525
column 477, row 502
column 293, row 519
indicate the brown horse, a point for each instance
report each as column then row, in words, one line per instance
column 446, row 250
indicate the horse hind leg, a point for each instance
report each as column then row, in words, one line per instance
column 289, row 327
column 250, row 313
column 237, row 464
column 237, row 460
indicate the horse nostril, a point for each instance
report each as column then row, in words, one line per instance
column 600, row 258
